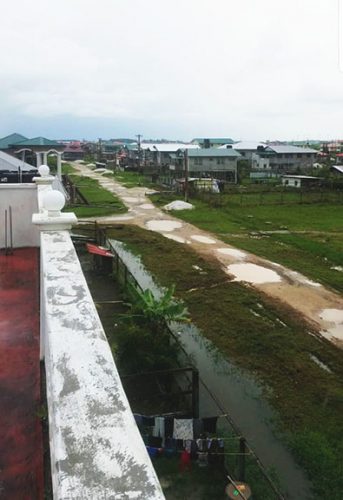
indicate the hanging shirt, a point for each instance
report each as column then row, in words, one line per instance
column 183, row 428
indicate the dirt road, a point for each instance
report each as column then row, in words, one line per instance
column 321, row 307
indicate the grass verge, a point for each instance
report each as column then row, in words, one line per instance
column 306, row 238
column 267, row 338
column 101, row 201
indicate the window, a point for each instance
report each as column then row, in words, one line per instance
column 220, row 161
column 198, row 161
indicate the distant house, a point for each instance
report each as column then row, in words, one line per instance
column 213, row 142
column 286, row 159
column 247, row 148
column 301, row 181
column 161, row 154
column 74, row 151
column 249, row 151
column 209, row 163
column 5, row 142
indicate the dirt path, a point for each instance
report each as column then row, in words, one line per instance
column 320, row 306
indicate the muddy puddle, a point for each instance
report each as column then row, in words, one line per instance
column 335, row 317
column 163, row 225
column 227, row 389
column 232, row 252
column 252, row 273
column 203, row 239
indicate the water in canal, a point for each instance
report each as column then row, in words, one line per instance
column 227, row 389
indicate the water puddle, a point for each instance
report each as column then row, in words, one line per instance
column 232, row 252
column 203, row 239
column 174, row 237
column 334, row 316
column 146, row 206
column 130, row 199
column 302, row 279
column 163, row 225
column 251, row 273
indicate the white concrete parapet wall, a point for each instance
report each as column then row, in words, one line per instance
column 23, row 200
column 96, row 449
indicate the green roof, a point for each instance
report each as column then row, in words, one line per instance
column 11, row 139
column 213, row 140
column 37, row 141
column 212, row 152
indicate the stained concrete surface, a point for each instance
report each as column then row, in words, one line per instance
column 21, row 445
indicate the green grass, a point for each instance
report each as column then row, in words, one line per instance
column 313, row 244
column 130, row 179
column 101, row 201
column 308, row 400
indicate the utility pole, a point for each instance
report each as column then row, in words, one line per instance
column 185, row 157
column 139, row 151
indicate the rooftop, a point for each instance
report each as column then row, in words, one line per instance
column 11, row 139
column 168, row 147
column 213, row 140
column 11, row 163
column 37, row 141
column 279, row 149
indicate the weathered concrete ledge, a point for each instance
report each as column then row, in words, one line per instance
column 95, row 446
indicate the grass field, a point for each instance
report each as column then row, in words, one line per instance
column 308, row 399
column 101, row 201
column 307, row 238
column 130, row 179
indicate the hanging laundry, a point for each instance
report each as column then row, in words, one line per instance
column 154, row 441
column 198, row 427
column 185, row 461
column 168, row 426
column 148, row 421
column 158, row 430
column 138, row 419
column 210, row 424
column 183, row 428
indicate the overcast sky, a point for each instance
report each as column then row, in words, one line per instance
column 246, row 69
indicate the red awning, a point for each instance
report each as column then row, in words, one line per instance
column 98, row 250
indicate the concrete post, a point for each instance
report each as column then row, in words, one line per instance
column 45, row 158
column 59, row 166
column 39, row 159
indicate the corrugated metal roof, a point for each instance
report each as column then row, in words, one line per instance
column 213, row 152
column 246, row 145
column 38, row 141
column 214, row 140
column 290, row 149
column 302, row 177
column 170, row 147
column 11, row 163
column 339, row 168
column 11, row 139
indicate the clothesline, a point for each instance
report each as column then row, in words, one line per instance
column 204, row 452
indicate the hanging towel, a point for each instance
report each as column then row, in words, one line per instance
column 183, row 428
column 158, row 430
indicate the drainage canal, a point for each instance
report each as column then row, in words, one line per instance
column 228, row 390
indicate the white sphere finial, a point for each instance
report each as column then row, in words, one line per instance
column 53, row 202
column 44, row 170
